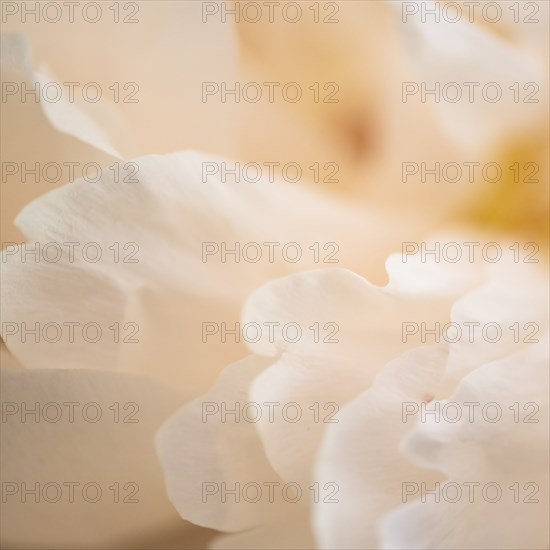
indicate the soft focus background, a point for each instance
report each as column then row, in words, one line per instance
column 176, row 46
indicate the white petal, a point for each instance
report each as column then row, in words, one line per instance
column 507, row 452
column 160, row 59
column 62, row 113
column 423, row 274
column 74, row 325
column 65, row 116
column 205, row 451
column 525, row 29
column 361, row 455
column 322, row 376
column 150, row 235
column 41, row 133
column 460, row 52
column 494, row 321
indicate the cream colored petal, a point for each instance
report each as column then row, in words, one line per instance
column 524, row 25
column 62, row 430
column 75, row 325
column 152, row 273
column 42, row 134
column 64, row 111
column 360, row 455
column 495, row 463
column 349, row 331
column 496, row 320
column 209, row 455
column 442, row 52
column 154, row 46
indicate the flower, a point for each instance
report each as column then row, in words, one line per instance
column 159, row 304
column 44, row 132
column 369, row 376
column 148, row 264
column 507, row 459
column 140, row 259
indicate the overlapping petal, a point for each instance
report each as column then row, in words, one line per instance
column 141, row 247
column 40, row 137
column 349, row 330
column 361, row 453
column 470, row 60
column 209, row 451
column 495, row 461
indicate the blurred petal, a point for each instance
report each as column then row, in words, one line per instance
column 61, row 442
column 497, row 319
column 74, row 327
column 422, row 274
column 153, row 45
column 205, row 451
column 43, row 133
column 151, row 271
column 65, row 113
column 441, row 51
